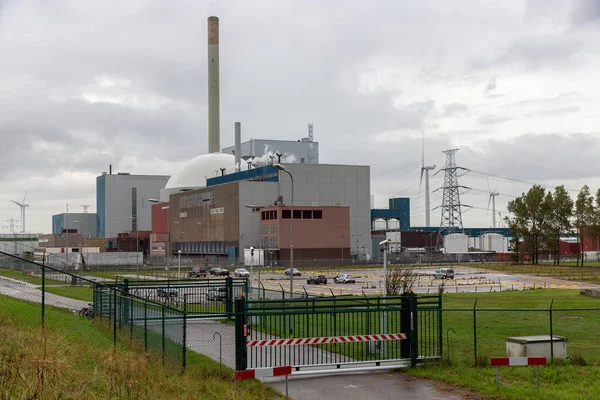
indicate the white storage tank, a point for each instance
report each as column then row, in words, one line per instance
column 493, row 242
column 456, row 243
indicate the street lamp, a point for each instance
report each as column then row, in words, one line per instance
column 179, row 267
column 342, row 247
column 282, row 169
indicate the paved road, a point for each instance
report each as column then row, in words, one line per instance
column 27, row 291
column 362, row 386
column 468, row 279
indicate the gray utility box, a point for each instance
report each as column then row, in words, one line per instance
column 536, row 346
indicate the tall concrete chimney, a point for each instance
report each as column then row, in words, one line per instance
column 238, row 145
column 214, row 120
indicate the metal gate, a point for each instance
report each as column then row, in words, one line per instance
column 338, row 332
column 204, row 298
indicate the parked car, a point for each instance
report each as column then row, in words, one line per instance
column 242, row 273
column 344, row 278
column 218, row 293
column 197, row 272
column 444, row 273
column 166, row 292
column 216, row 271
column 317, row 280
column 296, row 272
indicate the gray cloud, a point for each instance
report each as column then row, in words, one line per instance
column 125, row 84
column 586, row 12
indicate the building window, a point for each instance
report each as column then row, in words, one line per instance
column 297, row 214
column 301, row 160
column 317, row 214
column 275, row 214
column 286, row 214
column 306, row 214
column 263, row 215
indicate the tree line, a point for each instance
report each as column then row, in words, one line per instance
column 539, row 218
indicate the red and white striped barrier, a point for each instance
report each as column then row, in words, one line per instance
column 262, row 373
column 516, row 361
column 322, row 340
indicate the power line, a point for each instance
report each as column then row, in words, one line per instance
column 519, row 180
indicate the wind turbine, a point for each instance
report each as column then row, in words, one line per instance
column 425, row 169
column 23, row 206
column 492, row 199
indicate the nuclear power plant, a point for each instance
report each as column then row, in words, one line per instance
column 222, row 203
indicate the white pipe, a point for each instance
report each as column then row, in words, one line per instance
column 214, row 122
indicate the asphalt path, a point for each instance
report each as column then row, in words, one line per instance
column 26, row 291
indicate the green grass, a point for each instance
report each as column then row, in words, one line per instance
column 19, row 275
column 73, row 358
column 563, row 380
column 557, row 382
column 84, row 293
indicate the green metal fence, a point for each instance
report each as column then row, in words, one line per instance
column 473, row 335
column 418, row 317
column 158, row 326
column 205, row 298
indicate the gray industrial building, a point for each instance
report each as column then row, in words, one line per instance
column 122, row 202
column 303, row 151
column 85, row 223
column 224, row 217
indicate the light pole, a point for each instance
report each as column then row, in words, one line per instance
column 179, row 267
column 342, row 247
column 67, row 248
column 385, row 245
column 282, row 169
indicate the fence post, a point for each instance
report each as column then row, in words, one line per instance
column 163, row 335
column 551, row 334
column 404, row 324
column 414, row 345
column 115, row 320
column 184, row 361
column 145, row 326
column 241, row 352
column 475, row 331
column 229, row 302
column 130, row 319
column 43, row 294
column 440, row 328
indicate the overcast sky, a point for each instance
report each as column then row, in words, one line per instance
column 514, row 84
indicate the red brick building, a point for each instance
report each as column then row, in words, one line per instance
column 320, row 233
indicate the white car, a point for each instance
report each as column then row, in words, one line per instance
column 344, row 278
column 242, row 273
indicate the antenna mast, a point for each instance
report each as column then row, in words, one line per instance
column 451, row 221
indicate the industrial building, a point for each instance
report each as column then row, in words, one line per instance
column 122, row 202
column 320, row 233
column 267, row 151
column 85, row 223
column 225, row 217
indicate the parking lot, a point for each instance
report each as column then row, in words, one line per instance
column 370, row 281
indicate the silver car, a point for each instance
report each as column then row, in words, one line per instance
column 242, row 273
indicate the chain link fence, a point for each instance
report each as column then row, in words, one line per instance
column 472, row 335
column 158, row 326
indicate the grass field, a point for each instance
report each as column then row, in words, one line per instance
column 73, row 358
column 22, row 276
column 565, row 379
column 84, row 293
